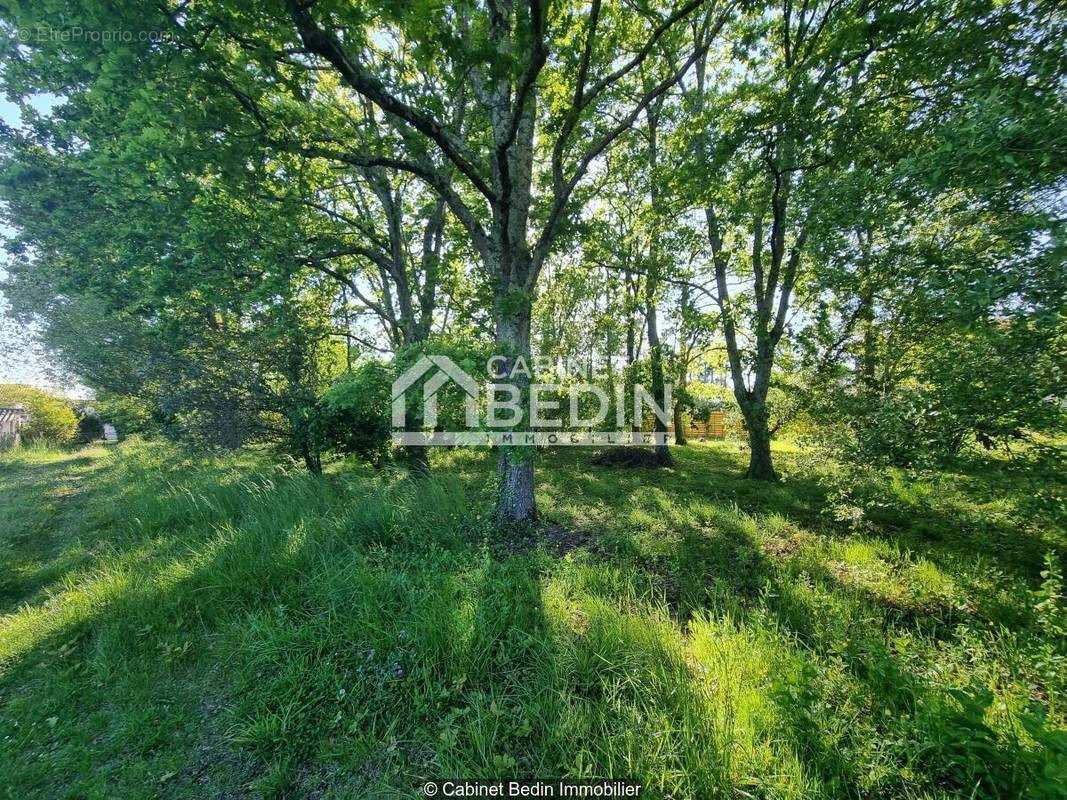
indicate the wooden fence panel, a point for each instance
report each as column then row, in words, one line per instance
column 714, row 428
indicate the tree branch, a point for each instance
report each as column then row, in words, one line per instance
column 326, row 45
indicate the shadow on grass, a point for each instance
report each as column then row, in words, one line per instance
column 284, row 635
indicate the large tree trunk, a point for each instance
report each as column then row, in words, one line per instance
column 515, row 503
column 753, row 403
column 757, row 424
column 760, row 465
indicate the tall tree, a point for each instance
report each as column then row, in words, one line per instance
column 802, row 96
column 532, row 85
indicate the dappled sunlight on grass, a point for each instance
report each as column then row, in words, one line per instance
column 248, row 628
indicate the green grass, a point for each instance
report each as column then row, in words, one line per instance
column 180, row 627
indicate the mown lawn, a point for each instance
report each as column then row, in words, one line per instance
column 180, row 627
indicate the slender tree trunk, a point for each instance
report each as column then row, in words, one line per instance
column 418, row 458
column 630, row 335
column 869, row 358
column 679, row 423
column 655, row 264
column 631, row 347
column 659, row 385
column 312, row 460
column 682, row 382
column 869, row 355
column 348, row 328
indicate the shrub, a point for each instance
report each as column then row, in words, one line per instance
column 127, row 413
column 909, row 427
column 356, row 412
column 51, row 418
column 989, row 386
column 307, row 433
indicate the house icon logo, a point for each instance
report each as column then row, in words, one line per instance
column 447, row 370
column 510, row 418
